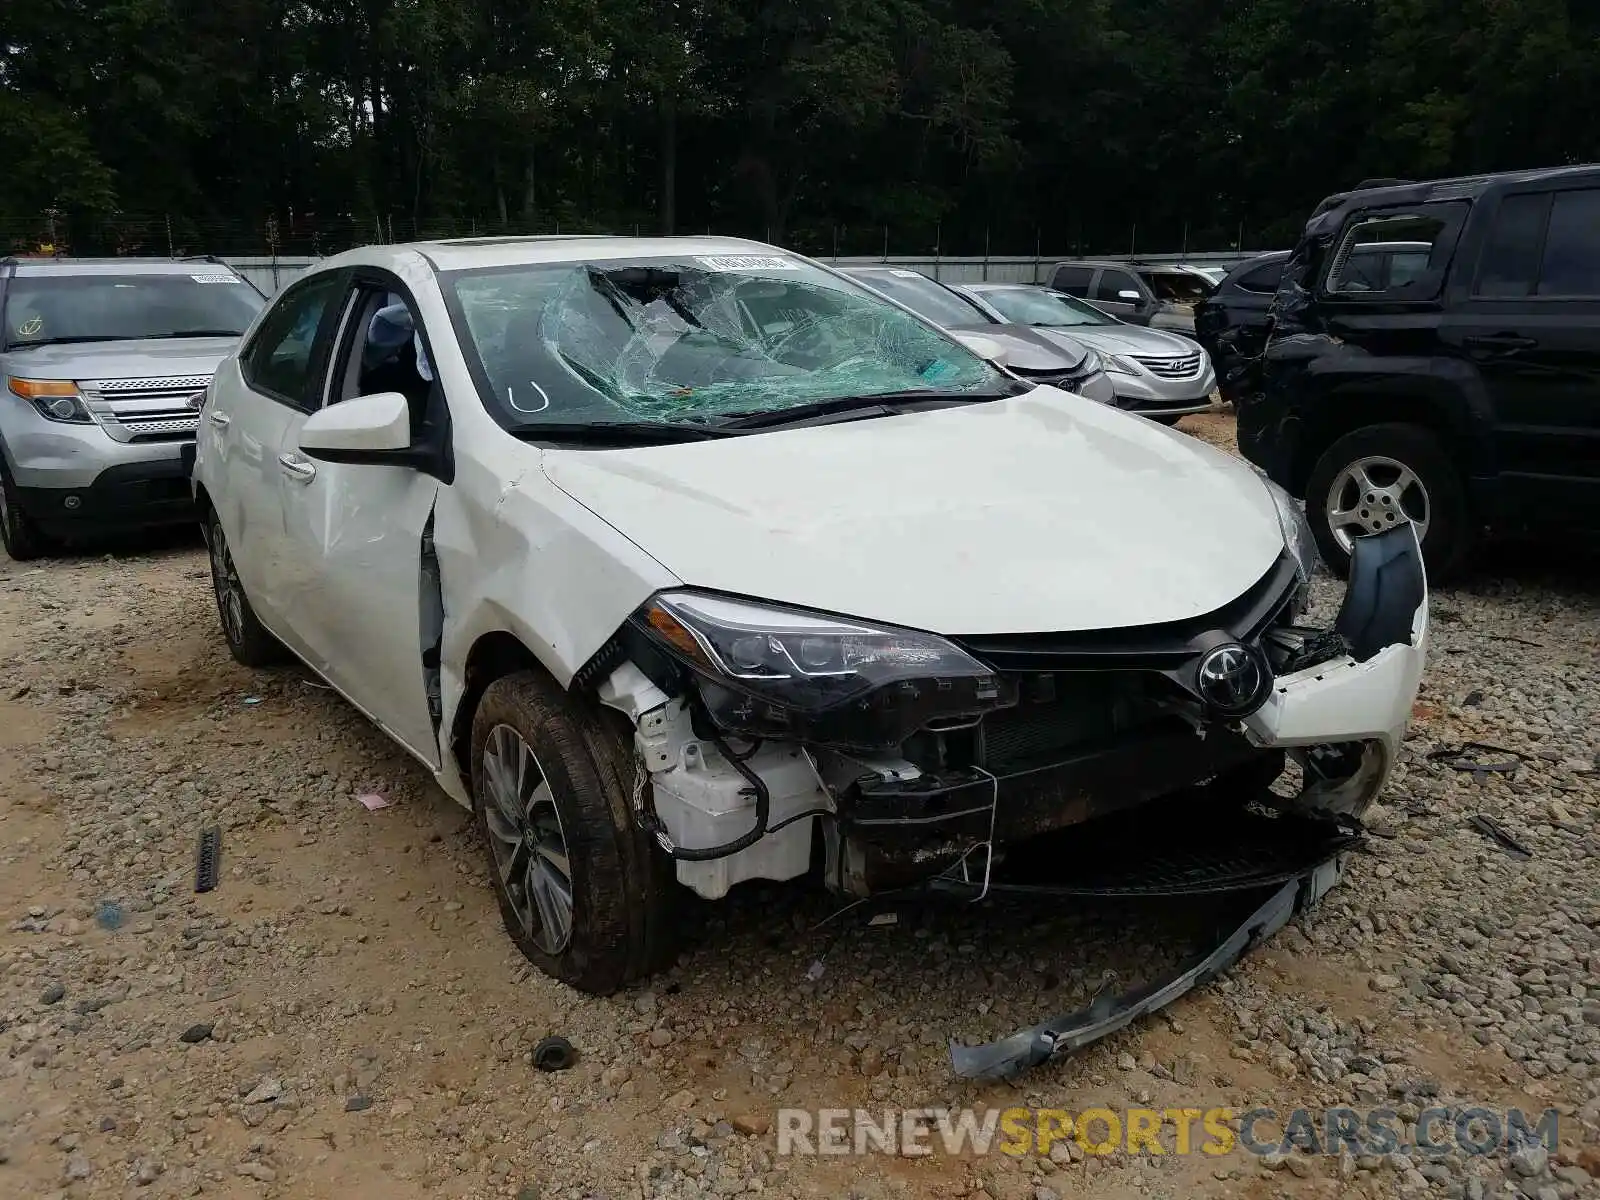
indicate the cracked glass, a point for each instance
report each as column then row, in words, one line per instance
column 692, row 339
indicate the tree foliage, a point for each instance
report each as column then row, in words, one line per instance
column 952, row 123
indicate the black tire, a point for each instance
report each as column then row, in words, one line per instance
column 1450, row 532
column 21, row 536
column 248, row 640
column 621, row 887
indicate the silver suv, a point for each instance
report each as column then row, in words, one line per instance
column 98, row 361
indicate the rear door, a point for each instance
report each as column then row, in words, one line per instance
column 272, row 384
column 1527, row 315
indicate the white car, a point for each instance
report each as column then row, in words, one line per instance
column 689, row 561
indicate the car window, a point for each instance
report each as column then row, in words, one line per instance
column 1112, row 282
column 383, row 351
column 1400, row 253
column 1263, row 280
column 1510, row 262
column 1571, row 262
column 1037, row 306
column 925, row 297
column 53, row 309
column 1073, row 280
column 691, row 339
column 282, row 353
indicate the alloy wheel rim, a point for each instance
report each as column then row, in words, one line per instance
column 1373, row 494
column 230, row 592
column 527, row 840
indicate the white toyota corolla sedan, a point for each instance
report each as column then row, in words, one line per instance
column 685, row 562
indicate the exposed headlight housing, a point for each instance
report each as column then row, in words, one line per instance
column 1092, row 362
column 771, row 672
column 1296, row 530
column 55, row 399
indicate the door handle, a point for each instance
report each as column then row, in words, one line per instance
column 219, row 419
column 297, row 468
column 1499, row 341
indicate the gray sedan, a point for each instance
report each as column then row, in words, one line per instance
column 1154, row 373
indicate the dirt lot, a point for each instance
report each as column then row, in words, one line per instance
column 363, row 1028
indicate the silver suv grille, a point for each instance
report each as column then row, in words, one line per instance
column 139, row 410
column 1186, row 367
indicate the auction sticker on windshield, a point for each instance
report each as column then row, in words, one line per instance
column 214, row 278
column 746, row 262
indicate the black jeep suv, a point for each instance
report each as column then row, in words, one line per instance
column 1459, row 386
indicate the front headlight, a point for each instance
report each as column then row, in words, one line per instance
column 1296, row 530
column 55, row 399
column 1118, row 365
column 1092, row 362
column 767, row 671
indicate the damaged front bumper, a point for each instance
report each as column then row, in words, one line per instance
column 1344, row 718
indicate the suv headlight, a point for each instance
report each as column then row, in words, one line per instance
column 55, row 399
column 1296, row 530
column 767, row 671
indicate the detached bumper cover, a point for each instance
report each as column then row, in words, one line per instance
column 1108, row 1013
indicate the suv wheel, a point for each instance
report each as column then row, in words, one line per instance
column 1378, row 476
column 22, row 538
column 248, row 639
column 582, row 891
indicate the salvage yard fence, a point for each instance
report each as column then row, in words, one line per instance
column 270, row 274
column 272, row 252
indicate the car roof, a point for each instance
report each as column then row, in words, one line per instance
column 469, row 254
column 1460, row 187
column 27, row 267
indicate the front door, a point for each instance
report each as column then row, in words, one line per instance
column 1531, row 327
column 1119, row 293
column 355, row 533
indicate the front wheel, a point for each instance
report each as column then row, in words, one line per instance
column 21, row 536
column 1381, row 476
column 581, row 890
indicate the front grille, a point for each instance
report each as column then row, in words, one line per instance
column 145, row 410
column 1186, row 367
column 1056, row 714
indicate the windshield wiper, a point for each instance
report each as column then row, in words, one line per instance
column 615, row 433
column 886, row 404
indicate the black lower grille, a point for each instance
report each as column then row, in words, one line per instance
column 1060, row 712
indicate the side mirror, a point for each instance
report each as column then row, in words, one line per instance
column 366, row 429
column 1130, row 295
column 984, row 348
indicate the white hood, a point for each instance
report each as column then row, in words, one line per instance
column 1045, row 513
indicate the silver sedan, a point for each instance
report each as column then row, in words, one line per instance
column 1154, row 373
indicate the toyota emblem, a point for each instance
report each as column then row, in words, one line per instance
column 1233, row 680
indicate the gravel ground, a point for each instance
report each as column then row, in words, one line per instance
column 343, row 1016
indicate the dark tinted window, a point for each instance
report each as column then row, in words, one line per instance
column 1263, row 279
column 1112, row 282
column 1073, row 280
column 1572, row 246
column 1511, row 258
column 281, row 355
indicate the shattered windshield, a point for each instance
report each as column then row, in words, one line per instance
column 692, row 339
column 1036, row 306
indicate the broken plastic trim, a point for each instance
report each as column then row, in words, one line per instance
column 1387, row 586
column 1108, row 1013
